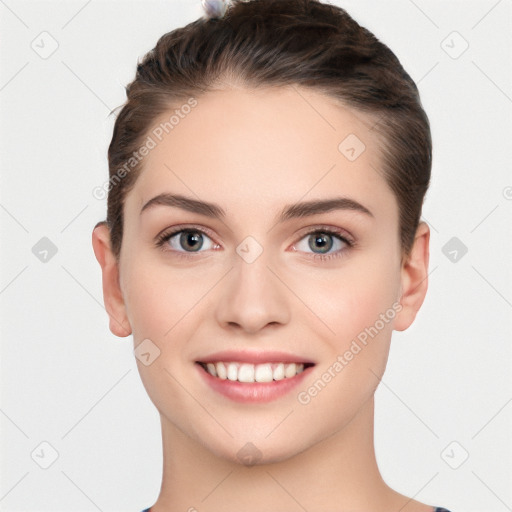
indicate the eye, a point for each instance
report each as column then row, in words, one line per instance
column 323, row 240
column 187, row 240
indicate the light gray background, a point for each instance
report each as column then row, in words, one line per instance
column 67, row 381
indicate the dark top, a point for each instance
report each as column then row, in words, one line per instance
column 438, row 509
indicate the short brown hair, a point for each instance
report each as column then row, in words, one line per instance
column 275, row 43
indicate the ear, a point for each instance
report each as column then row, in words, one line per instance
column 112, row 295
column 414, row 279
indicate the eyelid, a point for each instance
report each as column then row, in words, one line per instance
column 167, row 233
column 319, row 227
column 343, row 233
column 183, row 227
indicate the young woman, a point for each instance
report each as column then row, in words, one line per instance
column 263, row 240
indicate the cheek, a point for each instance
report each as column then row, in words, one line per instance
column 353, row 298
column 162, row 306
column 358, row 307
column 159, row 298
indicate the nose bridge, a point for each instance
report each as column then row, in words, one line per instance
column 254, row 297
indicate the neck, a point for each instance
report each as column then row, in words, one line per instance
column 338, row 473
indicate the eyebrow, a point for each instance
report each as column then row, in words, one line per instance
column 291, row 211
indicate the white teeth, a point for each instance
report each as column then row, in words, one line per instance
column 279, row 372
column 232, row 371
column 211, row 369
column 263, row 373
column 290, row 370
column 221, row 370
column 247, row 372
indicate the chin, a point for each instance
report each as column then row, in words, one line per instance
column 257, row 452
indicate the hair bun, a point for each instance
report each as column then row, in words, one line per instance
column 214, row 8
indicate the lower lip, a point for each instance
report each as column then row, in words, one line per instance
column 253, row 392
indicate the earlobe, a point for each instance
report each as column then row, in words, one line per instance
column 112, row 294
column 414, row 279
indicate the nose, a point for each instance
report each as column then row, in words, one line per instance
column 253, row 297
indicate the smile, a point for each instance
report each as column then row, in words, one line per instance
column 248, row 383
column 247, row 372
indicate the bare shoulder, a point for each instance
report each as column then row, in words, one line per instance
column 406, row 504
column 416, row 506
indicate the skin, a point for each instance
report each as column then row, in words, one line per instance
column 252, row 152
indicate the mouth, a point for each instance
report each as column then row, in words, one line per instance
column 253, row 376
column 246, row 372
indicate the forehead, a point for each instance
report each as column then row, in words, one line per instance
column 262, row 148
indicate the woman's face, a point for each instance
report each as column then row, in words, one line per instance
column 262, row 280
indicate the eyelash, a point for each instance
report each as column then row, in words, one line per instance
column 340, row 235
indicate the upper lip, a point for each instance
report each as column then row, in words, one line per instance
column 254, row 357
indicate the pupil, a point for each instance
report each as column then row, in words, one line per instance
column 320, row 240
column 191, row 239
